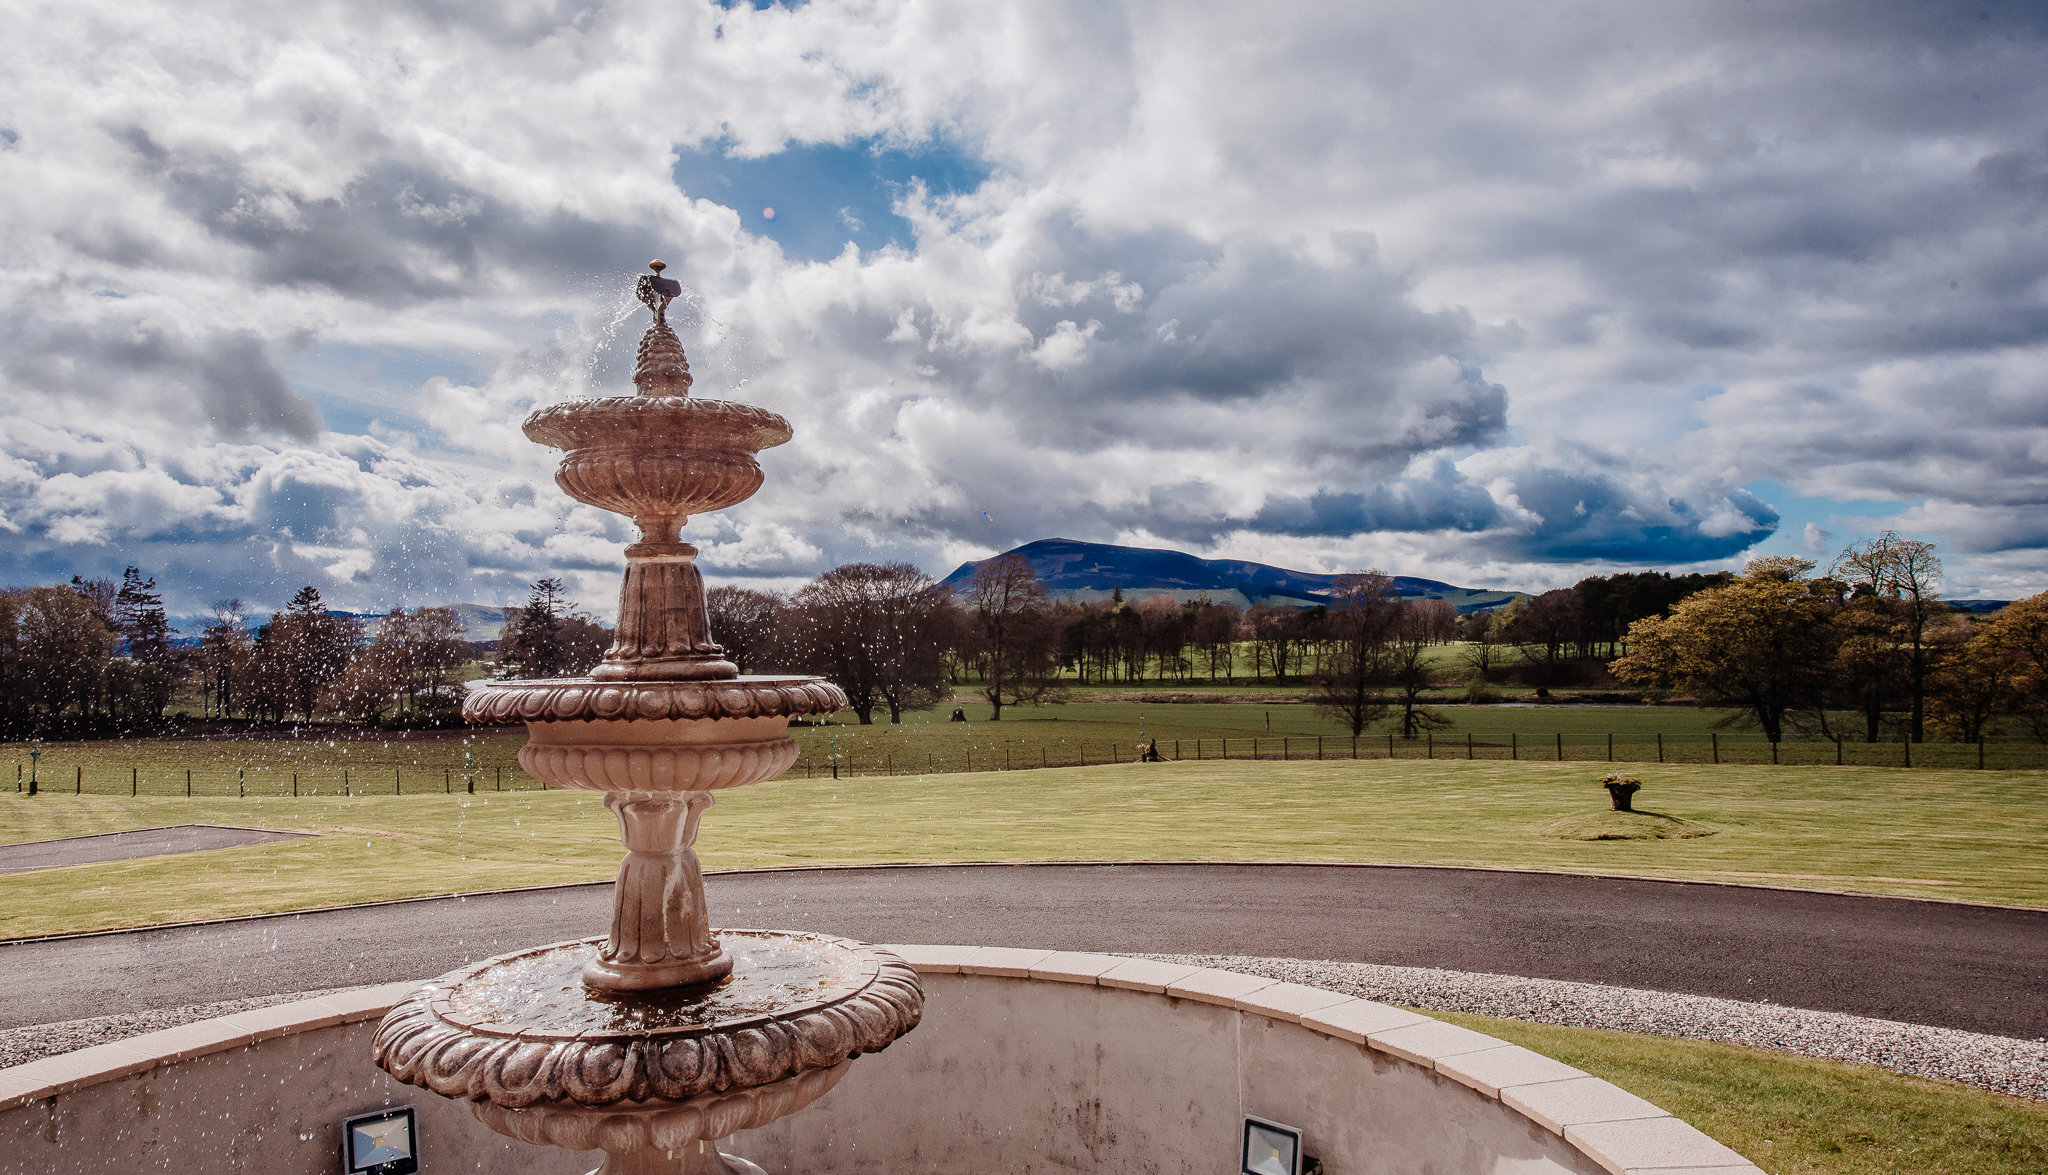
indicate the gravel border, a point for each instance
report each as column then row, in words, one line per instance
column 33, row 1042
column 1998, row 1063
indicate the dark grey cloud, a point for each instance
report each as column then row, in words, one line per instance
column 136, row 361
column 400, row 234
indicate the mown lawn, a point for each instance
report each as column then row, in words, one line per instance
column 1966, row 835
column 1799, row 1115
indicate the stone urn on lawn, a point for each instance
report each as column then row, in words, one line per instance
column 1622, row 789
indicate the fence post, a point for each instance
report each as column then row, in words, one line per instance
column 397, row 782
column 241, row 784
column 78, row 782
column 134, row 781
column 188, row 783
column 447, row 784
column 1838, row 750
column 1514, row 745
column 929, row 769
column 1255, row 748
column 1560, row 746
column 1660, row 748
column 1319, row 748
column 295, row 785
column 1980, row 752
column 1468, row 744
column 1715, row 738
column 1429, row 742
column 1610, row 748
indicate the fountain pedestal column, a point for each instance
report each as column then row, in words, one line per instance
column 661, row 931
column 664, row 1035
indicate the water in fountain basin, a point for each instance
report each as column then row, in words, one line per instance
column 773, row 974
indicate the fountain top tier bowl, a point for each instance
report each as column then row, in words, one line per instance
column 658, row 456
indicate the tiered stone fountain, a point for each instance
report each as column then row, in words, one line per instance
column 664, row 1036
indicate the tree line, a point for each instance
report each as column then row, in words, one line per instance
column 97, row 657
column 1793, row 651
column 1866, row 649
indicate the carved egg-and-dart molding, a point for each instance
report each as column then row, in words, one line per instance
column 574, row 699
column 432, row 1040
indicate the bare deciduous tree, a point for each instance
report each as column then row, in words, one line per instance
column 744, row 622
column 1363, row 620
column 1903, row 572
column 1013, row 641
column 878, row 631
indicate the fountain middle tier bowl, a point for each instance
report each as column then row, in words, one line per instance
column 658, row 455
column 522, row 1033
column 655, row 736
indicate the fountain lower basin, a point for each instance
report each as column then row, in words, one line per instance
column 647, row 1076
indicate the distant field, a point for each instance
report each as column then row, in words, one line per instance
column 325, row 761
column 1950, row 834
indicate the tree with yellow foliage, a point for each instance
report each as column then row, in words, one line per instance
column 1762, row 644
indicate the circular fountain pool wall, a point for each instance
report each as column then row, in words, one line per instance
column 1027, row 1061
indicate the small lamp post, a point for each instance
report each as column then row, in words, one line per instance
column 35, row 752
column 835, row 756
column 469, row 771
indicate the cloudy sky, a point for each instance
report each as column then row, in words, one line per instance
column 1498, row 293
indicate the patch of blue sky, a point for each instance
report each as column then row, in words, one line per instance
column 813, row 199
column 356, row 385
column 1834, row 523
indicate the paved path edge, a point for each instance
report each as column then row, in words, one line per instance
column 1290, row 864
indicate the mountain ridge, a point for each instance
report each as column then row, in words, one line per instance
column 1076, row 570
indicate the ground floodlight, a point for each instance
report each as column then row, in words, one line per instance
column 1270, row 1148
column 384, row 1142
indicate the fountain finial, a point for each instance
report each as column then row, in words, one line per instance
column 660, row 369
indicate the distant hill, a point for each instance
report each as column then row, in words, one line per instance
column 1091, row 571
column 1977, row 606
column 480, row 622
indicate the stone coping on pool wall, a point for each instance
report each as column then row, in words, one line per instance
column 1601, row 1127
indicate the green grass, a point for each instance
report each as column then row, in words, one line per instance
column 1802, row 1116
column 1949, row 834
column 324, row 760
